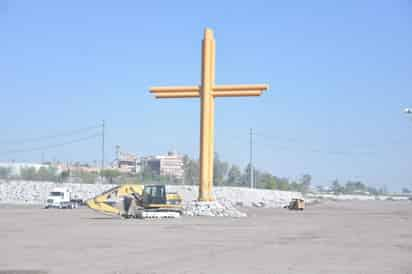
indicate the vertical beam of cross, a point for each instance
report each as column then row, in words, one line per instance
column 207, row 116
column 207, row 91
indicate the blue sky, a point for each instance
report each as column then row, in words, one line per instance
column 339, row 72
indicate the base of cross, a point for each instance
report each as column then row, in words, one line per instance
column 206, row 199
column 206, row 196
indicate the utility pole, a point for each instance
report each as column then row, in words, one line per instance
column 118, row 155
column 102, row 167
column 251, row 171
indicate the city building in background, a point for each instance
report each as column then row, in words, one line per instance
column 77, row 167
column 166, row 165
column 126, row 162
column 170, row 165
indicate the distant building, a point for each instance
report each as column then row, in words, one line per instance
column 166, row 165
column 78, row 167
column 126, row 162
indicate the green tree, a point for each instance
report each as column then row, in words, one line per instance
column 110, row 174
column 266, row 180
column 42, row 174
column 220, row 169
column 88, row 177
column 305, row 182
column 128, row 178
column 246, row 176
column 46, row 174
column 234, row 176
column 85, row 177
column 406, row 190
column 64, row 175
column 28, row 173
column 354, row 186
column 191, row 171
column 383, row 190
column 5, row 172
column 336, row 187
column 283, row 184
column 373, row 190
column 295, row 186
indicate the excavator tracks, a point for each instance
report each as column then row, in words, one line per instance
column 158, row 215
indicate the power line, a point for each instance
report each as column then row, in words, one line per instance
column 314, row 149
column 53, row 145
column 284, row 139
column 54, row 136
column 290, row 144
column 280, row 138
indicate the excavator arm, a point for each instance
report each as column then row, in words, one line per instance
column 109, row 201
column 136, row 201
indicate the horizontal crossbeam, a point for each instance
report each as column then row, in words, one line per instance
column 217, row 91
column 175, row 89
column 175, row 92
column 166, row 95
column 237, row 93
column 240, row 88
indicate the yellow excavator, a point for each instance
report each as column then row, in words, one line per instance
column 138, row 201
column 296, row 204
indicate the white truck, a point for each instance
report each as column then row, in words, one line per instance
column 62, row 198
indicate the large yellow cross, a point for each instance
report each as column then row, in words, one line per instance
column 207, row 91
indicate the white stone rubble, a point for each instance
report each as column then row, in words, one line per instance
column 212, row 209
column 29, row 192
column 348, row 197
column 241, row 196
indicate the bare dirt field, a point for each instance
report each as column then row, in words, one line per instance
column 331, row 237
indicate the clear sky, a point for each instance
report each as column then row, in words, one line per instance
column 339, row 72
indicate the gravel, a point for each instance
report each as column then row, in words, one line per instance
column 368, row 237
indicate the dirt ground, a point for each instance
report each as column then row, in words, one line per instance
column 332, row 237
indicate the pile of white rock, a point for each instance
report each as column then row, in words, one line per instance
column 350, row 197
column 30, row 192
column 212, row 209
column 240, row 196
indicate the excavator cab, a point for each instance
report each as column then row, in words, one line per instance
column 154, row 194
column 157, row 203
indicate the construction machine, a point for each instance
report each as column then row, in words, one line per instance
column 296, row 204
column 138, row 201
